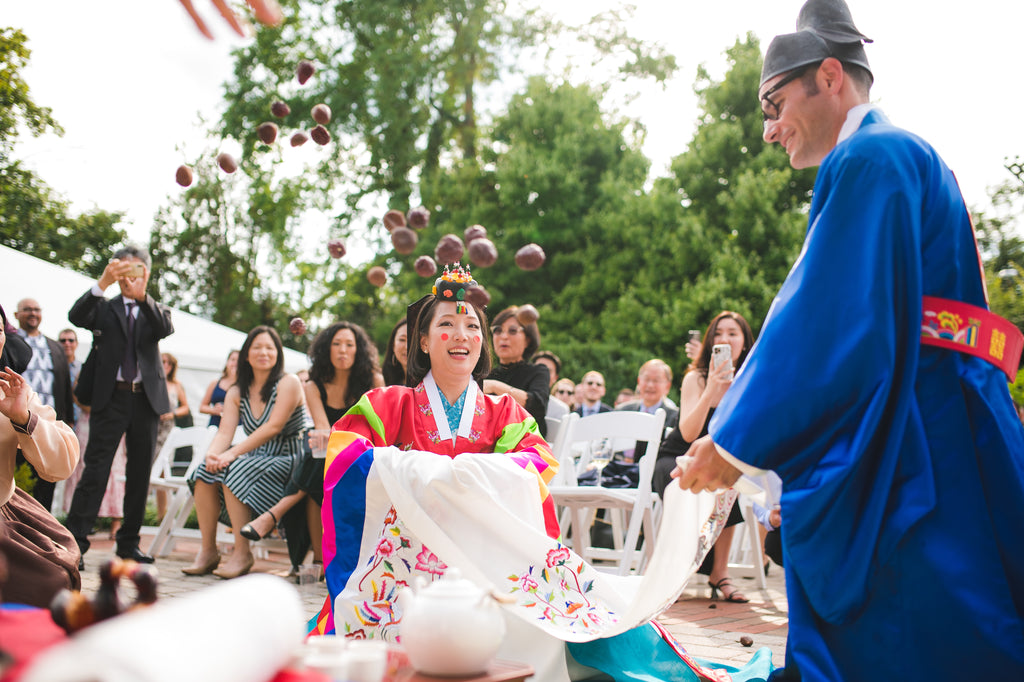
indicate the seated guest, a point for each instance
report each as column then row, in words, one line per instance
column 213, row 400
column 701, row 391
column 652, row 385
column 556, row 407
column 41, row 555
column 527, row 383
column 551, row 361
column 344, row 367
column 396, row 356
column 565, row 391
column 591, row 393
column 624, row 396
column 252, row 475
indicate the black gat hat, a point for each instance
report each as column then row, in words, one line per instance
column 824, row 28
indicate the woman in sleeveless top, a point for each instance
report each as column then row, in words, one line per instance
column 251, row 476
column 344, row 367
column 213, row 400
column 699, row 395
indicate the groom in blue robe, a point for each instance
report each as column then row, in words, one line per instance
column 902, row 462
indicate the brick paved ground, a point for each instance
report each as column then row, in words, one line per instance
column 712, row 629
column 708, row 630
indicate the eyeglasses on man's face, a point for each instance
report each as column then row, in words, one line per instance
column 68, row 341
column 509, row 331
column 769, row 109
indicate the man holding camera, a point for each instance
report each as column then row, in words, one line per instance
column 129, row 393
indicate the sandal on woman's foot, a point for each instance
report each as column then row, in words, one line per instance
column 250, row 533
column 734, row 596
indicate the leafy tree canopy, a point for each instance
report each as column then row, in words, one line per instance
column 33, row 218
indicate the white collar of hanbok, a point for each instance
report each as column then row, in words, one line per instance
column 854, row 117
column 440, row 416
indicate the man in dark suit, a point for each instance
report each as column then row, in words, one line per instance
column 129, row 394
column 593, row 391
column 652, row 385
column 49, row 376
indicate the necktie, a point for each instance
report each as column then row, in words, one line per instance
column 129, row 367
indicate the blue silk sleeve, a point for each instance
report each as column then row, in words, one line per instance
column 826, row 398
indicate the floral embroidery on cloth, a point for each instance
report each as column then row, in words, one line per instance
column 559, row 589
column 714, row 524
column 396, row 559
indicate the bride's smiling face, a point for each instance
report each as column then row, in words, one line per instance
column 454, row 341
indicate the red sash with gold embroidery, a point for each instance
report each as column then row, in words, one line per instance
column 969, row 329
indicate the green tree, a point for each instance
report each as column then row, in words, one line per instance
column 33, row 218
column 404, row 82
column 722, row 231
column 227, row 249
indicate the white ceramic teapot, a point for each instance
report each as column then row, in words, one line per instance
column 451, row 627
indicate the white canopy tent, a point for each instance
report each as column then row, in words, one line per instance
column 200, row 346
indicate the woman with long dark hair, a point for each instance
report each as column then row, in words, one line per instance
column 699, row 395
column 252, row 475
column 528, row 383
column 344, row 367
column 396, row 357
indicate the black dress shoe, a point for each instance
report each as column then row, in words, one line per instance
column 136, row 555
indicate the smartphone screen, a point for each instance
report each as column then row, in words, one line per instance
column 695, row 335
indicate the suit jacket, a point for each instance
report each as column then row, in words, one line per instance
column 671, row 421
column 63, row 402
column 109, row 324
column 601, row 408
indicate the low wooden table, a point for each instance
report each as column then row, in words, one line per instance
column 497, row 671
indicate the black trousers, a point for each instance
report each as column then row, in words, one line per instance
column 128, row 414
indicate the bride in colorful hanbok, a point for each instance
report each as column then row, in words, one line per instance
column 394, row 511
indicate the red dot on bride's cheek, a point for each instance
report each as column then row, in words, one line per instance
column 476, row 339
column 444, row 337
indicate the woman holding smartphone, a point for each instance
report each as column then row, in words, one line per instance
column 704, row 384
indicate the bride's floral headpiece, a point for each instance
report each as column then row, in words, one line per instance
column 452, row 286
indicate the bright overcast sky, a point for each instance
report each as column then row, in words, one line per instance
column 129, row 79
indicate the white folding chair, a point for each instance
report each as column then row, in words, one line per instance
column 746, row 557
column 623, row 429
column 566, row 474
column 180, row 497
column 553, row 426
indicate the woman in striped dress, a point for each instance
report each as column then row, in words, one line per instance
column 250, row 476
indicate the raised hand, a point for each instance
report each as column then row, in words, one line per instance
column 267, row 12
column 14, row 392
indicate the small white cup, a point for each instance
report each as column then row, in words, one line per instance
column 367, row 660
column 334, row 665
column 318, row 442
